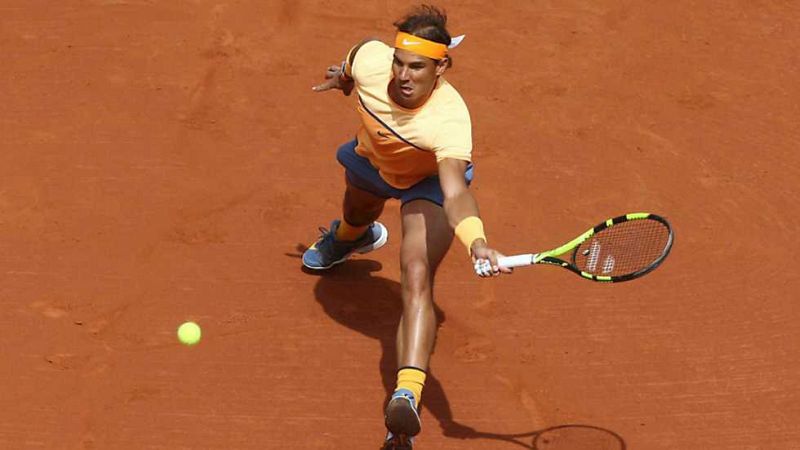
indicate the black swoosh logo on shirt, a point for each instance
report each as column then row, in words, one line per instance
column 374, row 116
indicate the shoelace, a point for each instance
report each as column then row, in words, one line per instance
column 323, row 232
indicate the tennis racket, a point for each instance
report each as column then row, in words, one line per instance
column 619, row 249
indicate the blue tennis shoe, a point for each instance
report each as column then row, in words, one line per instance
column 327, row 251
column 402, row 421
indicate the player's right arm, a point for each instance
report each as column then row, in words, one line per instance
column 341, row 76
column 460, row 207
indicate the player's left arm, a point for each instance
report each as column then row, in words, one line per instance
column 341, row 76
column 462, row 213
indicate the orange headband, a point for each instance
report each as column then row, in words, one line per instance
column 420, row 46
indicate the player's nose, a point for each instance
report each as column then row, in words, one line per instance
column 403, row 74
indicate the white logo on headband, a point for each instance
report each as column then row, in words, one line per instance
column 407, row 42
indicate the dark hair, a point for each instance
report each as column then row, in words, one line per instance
column 427, row 22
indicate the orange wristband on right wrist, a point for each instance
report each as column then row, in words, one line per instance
column 469, row 230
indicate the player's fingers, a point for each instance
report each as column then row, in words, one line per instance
column 497, row 269
column 500, row 269
column 327, row 85
column 492, row 260
column 332, row 71
column 483, row 267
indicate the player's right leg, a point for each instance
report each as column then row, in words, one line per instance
column 426, row 238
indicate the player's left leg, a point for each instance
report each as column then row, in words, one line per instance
column 426, row 239
column 358, row 232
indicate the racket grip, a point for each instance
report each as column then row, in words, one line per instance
column 516, row 260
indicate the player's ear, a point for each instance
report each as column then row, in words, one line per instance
column 442, row 65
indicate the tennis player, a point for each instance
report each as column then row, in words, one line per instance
column 415, row 145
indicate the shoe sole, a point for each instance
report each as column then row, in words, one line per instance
column 401, row 418
column 361, row 250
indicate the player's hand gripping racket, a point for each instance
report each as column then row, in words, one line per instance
column 619, row 249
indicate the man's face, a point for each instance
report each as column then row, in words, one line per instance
column 414, row 77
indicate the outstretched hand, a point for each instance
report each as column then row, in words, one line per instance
column 334, row 80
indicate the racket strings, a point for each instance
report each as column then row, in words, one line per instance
column 624, row 248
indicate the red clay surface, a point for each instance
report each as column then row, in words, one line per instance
column 161, row 162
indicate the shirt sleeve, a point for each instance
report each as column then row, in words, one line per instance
column 370, row 61
column 454, row 137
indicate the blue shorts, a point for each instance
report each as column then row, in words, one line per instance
column 361, row 174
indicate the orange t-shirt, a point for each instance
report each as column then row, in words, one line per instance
column 406, row 145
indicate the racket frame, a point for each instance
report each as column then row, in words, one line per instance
column 549, row 257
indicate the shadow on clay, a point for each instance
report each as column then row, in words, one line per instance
column 560, row 437
column 371, row 305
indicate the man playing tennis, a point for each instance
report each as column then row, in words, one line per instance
column 415, row 145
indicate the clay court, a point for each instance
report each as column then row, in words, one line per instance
column 167, row 161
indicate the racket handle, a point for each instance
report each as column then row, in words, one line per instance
column 516, row 260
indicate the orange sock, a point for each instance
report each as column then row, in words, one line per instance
column 347, row 232
column 412, row 379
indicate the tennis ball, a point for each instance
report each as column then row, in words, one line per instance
column 189, row 333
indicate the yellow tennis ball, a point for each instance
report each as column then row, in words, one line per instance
column 189, row 333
